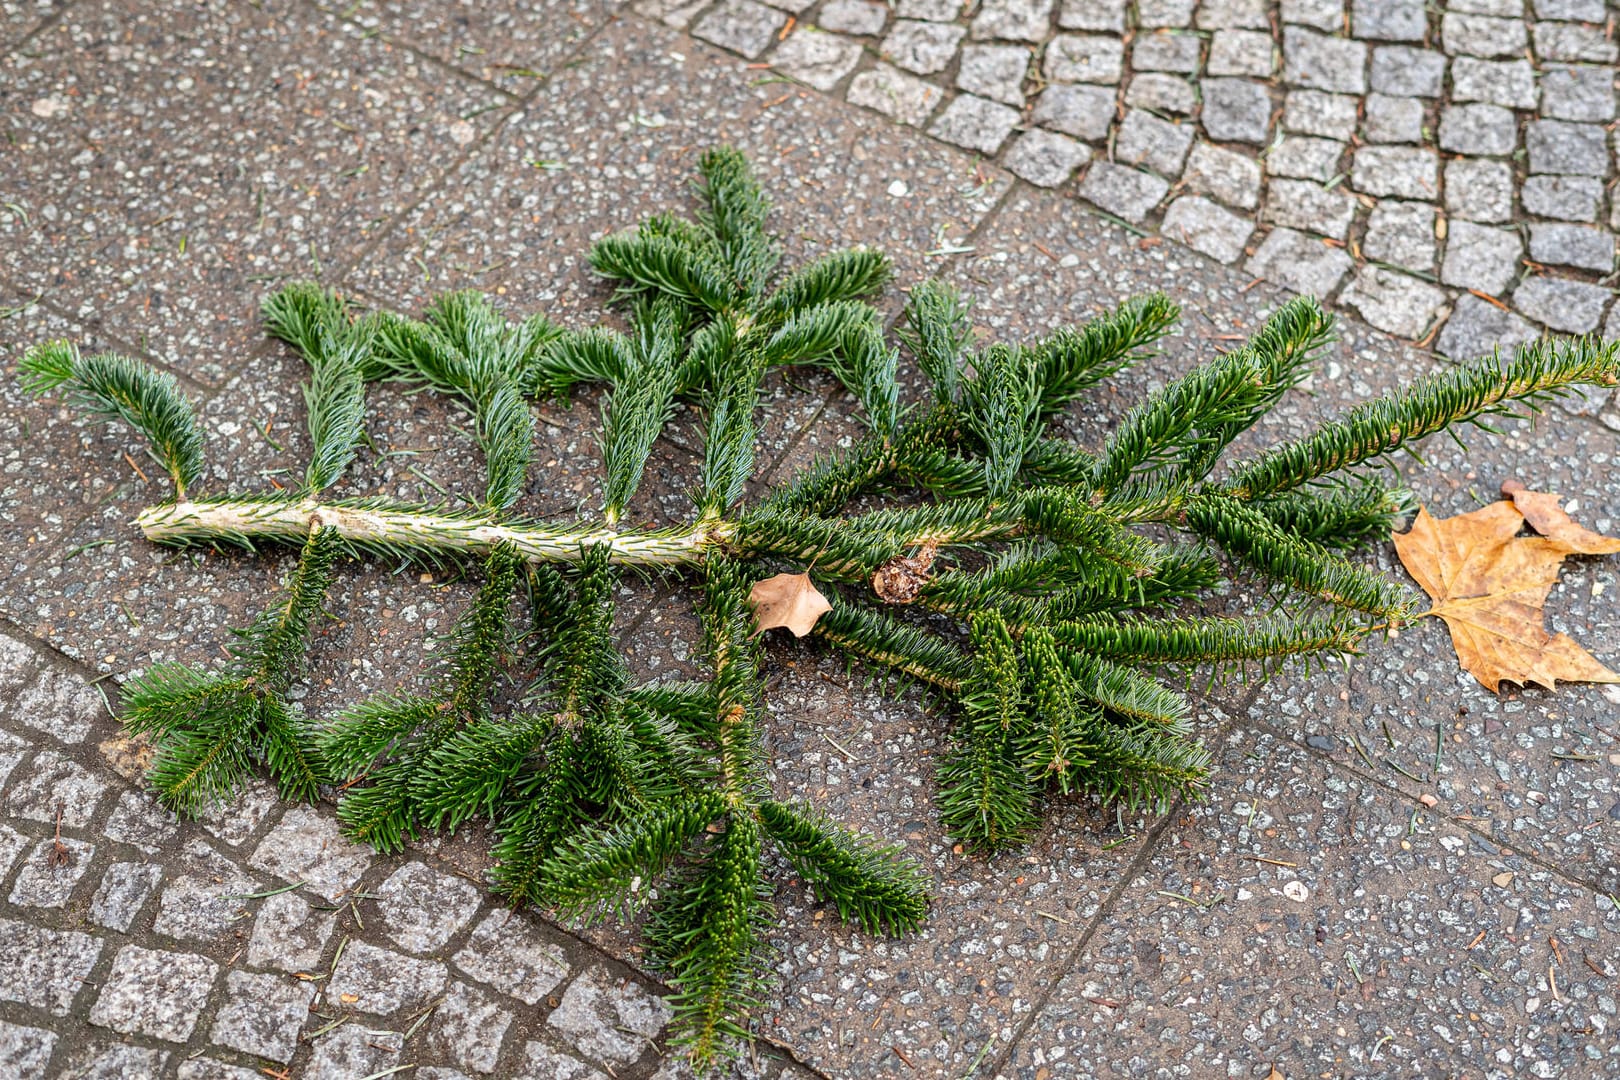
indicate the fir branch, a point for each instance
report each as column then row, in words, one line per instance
column 999, row 407
column 893, row 644
column 1340, row 514
column 1070, row 362
column 117, row 388
column 937, row 329
column 1536, row 373
column 1210, row 639
column 870, row 882
column 734, row 211
column 608, row 870
column 842, row 275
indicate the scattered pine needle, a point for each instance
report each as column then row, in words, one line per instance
column 1489, row 299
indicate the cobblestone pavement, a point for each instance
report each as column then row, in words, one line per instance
column 1394, row 873
column 1422, row 164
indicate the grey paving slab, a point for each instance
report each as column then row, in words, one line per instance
column 1306, row 920
column 158, row 179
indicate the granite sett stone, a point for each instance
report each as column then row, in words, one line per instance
column 1389, row 20
column 864, row 18
column 923, row 48
column 1013, row 20
column 821, row 60
column 352, row 1050
column 1478, row 130
column 1394, row 302
column 1171, row 14
column 140, row 821
column 1402, row 71
column 1162, row 93
column 1321, row 14
column 1403, row 172
column 1394, row 119
column 1299, row 262
column 1570, row 307
column 542, row 1062
column 1228, row 14
column 60, row 704
column 262, row 1014
column 48, row 880
column 506, row 952
column 1401, row 233
column 1147, row 140
column 468, row 1027
column 1329, row 116
column 1558, row 146
column 1303, row 157
column 1166, row 51
column 1299, row 204
column 1084, row 112
column 116, row 1062
column 611, row 1019
column 931, row 10
column 1581, row 246
column 1509, row 83
column 155, row 993
column 289, row 934
column 1083, row 58
column 1240, row 52
column 1476, row 326
column 1236, row 110
column 307, row 846
column 1567, row 198
column 423, row 908
column 1479, row 190
column 1569, row 41
column 994, row 71
column 974, row 123
column 45, row 969
column 1124, row 192
column 1577, row 93
column 1480, row 257
column 1107, row 15
column 54, row 781
column 1319, row 62
column 1045, row 158
column 122, row 894
column 25, row 1051
column 895, row 94
column 379, row 981
column 1481, row 35
column 1231, row 177
column 1206, row 227
column 742, row 26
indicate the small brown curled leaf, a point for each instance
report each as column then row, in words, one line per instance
column 788, row 600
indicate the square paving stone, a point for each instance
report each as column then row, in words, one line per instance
column 378, row 981
column 1395, row 303
column 60, row 703
column 1401, row 233
column 1479, row 190
column 1205, row 226
column 611, row 1018
column 12, row 844
column 352, row 1050
column 1165, row 13
column 1476, row 327
column 1570, row 149
column 203, row 908
column 1478, row 129
column 1330, row 116
column 1162, row 93
column 923, row 48
column 994, row 71
column 45, row 968
column 1403, row 71
column 1322, row 14
column 510, row 44
column 1147, row 140
column 115, row 1063
column 1480, row 257
column 895, row 94
column 1092, row 15
column 1510, row 83
column 1389, row 20
column 307, row 846
column 262, row 1015
column 1572, row 245
column 742, row 26
column 1045, row 158
column 1566, row 41
column 141, row 822
column 504, row 224
column 1299, row 204
column 1222, row 14
column 123, row 891
column 1240, row 52
column 52, row 782
column 861, row 17
column 1568, row 198
column 822, row 60
column 1126, row 193
column 25, row 1051
column 423, row 908
column 1370, row 930
column 1231, row 177
column 156, row 993
column 289, row 934
column 1299, row 262
column 932, row 10
column 467, row 1028
column 47, row 879
column 1480, row 35
column 509, row 953
column 542, row 1062
column 1305, row 158
column 1166, row 51
column 209, row 1069
column 1013, row 20
column 1394, row 119
column 1577, row 93
column 1083, row 58
column 975, row 124
column 1318, row 62
column 1404, row 172
column 1573, row 307
column 1236, row 110
column 1082, row 111
column 1570, row 10
column 178, row 172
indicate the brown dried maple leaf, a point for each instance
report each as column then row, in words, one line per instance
column 788, row 600
column 1489, row 584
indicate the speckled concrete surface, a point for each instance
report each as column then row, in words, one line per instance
column 1315, row 914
